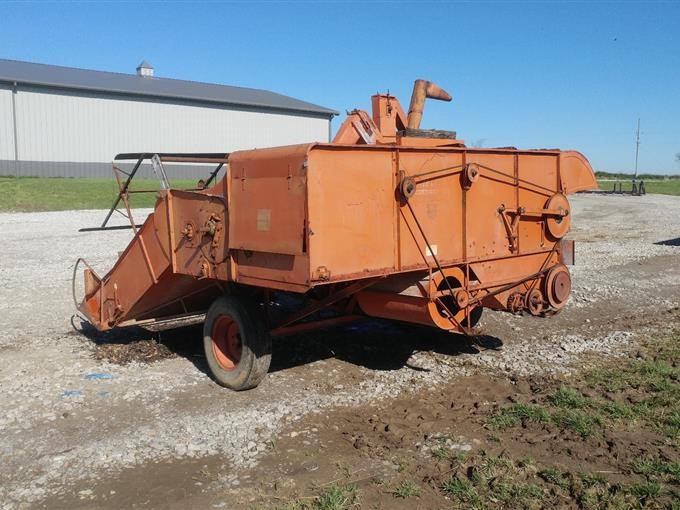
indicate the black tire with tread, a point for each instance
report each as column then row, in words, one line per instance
column 256, row 344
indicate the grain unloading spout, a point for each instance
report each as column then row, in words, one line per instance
column 389, row 119
column 423, row 89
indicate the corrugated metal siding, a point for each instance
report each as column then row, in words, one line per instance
column 66, row 126
column 6, row 124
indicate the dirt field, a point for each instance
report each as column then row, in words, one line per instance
column 131, row 420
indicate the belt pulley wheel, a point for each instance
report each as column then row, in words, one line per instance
column 534, row 301
column 462, row 298
column 471, row 174
column 515, row 302
column 455, row 278
column 558, row 286
column 558, row 226
column 407, row 187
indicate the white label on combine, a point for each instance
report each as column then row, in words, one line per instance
column 431, row 252
column 263, row 219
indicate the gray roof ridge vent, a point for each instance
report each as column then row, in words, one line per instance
column 145, row 69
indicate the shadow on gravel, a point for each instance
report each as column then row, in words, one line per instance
column 374, row 344
column 669, row 242
column 370, row 343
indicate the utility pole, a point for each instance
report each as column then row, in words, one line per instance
column 637, row 148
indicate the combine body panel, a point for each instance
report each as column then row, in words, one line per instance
column 387, row 221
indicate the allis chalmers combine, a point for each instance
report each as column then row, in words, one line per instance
column 386, row 221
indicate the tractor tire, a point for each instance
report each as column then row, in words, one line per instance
column 237, row 344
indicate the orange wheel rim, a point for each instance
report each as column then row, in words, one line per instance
column 227, row 345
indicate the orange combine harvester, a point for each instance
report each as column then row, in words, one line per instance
column 388, row 220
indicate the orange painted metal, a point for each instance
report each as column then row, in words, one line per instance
column 423, row 89
column 435, row 229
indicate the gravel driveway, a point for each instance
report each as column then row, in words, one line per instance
column 69, row 420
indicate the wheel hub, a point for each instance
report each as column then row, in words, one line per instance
column 226, row 342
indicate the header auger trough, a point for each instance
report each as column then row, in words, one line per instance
column 387, row 221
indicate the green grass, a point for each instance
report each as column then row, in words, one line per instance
column 572, row 418
column 555, row 477
column 498, row 479
column 444, row 453
column 619, row 410
column 647, row 490
column 663, row 187
column 462, row 490
column 590, row 480
column 441, row 453
column 627, row 177
column 336, row 497
column 569, row 399
column 568, row 409
column 406, row 490
column 660, row 186
column 658, row 378
column 27, row 194
column 519, row 413
column 583, row 423
column 516, row 494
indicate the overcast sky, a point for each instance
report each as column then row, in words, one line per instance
column 573, row 75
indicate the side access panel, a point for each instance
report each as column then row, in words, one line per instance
column 267, row 191
column 351, row 212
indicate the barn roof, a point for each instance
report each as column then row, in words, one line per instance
column 15, row 71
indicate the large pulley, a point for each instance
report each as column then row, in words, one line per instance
column 558, row 286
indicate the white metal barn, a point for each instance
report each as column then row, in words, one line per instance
column 61, row 121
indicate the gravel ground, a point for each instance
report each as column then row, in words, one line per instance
column 68, row 419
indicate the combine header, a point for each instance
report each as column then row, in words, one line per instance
column 388, row 221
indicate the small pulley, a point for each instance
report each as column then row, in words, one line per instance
column 470, row 175
column 407, row 187
column 534, row 302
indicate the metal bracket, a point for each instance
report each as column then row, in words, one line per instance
column 511, row 225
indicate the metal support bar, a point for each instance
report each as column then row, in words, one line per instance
column 124, row 198
column 158, row 169
column 307, row 326
column 115, row 227
column 213, row 174
column 522, row 211
column 194, row 157
column 122, row 190
column 329, row 300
